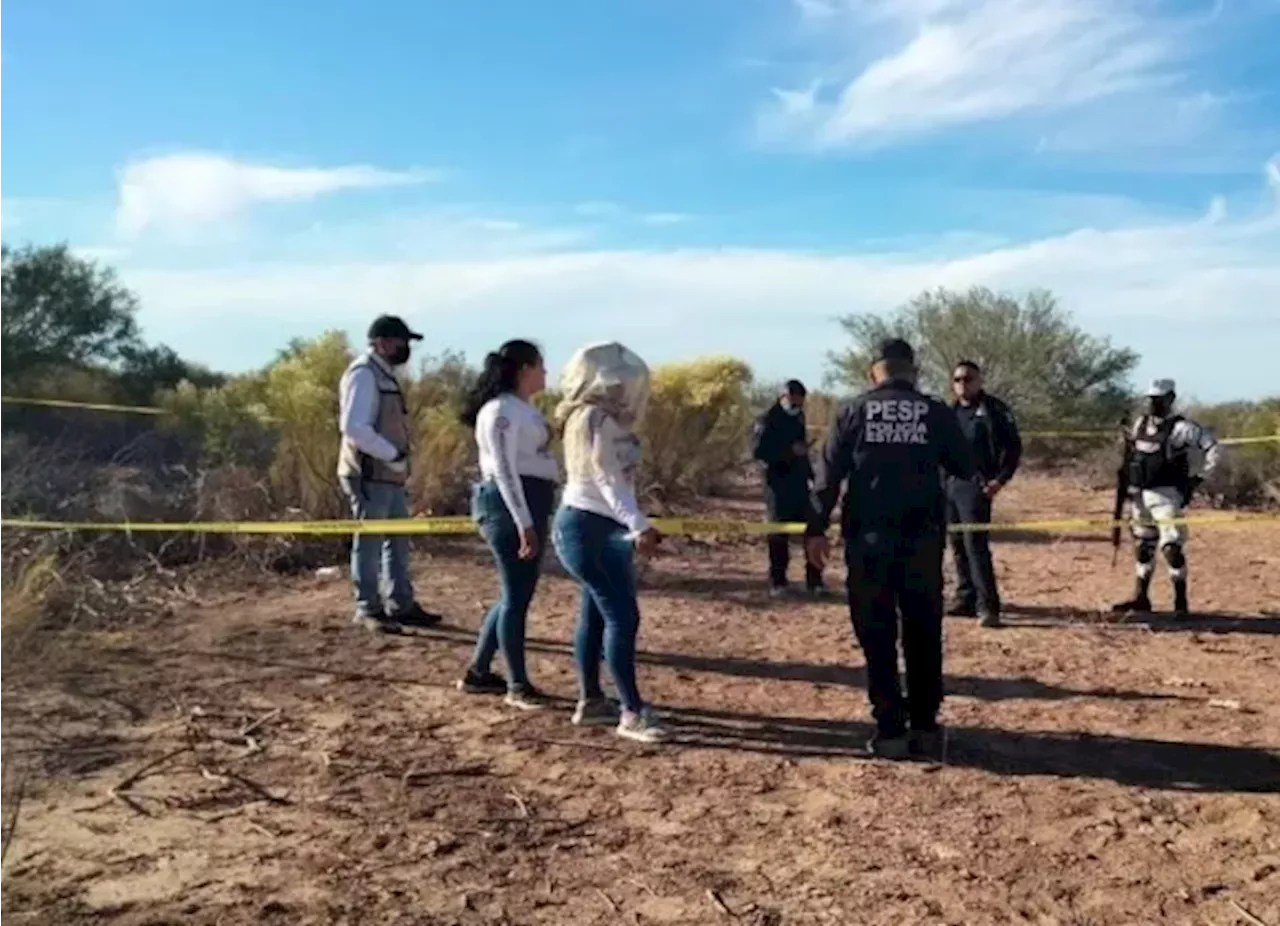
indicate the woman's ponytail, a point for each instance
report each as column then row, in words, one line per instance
column 501, row 373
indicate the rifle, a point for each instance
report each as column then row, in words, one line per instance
column 1122, row 493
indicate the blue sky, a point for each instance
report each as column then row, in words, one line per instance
column 688, row 176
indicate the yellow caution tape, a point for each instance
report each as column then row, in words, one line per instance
column 1055, row 526
column 153, row 410
column 464, row 525
column 1264, row 439
column 88, row 406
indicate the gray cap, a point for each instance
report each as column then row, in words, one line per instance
column 1161, row 387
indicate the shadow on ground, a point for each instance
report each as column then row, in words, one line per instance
column 984, row 688
column 1127, row 761
column 1202, row 622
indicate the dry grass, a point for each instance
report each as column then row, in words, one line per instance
column 26, row 591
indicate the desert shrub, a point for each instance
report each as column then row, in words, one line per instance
column 444, row 455
column 1251, row 473
column 444, row 462
column 1053, row 374
column 302, row 399
column 228, row 426
column 27, row 583
column 282, row 423
column 697, row 427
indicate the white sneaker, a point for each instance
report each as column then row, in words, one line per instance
column 526, row 699
column 642, row 727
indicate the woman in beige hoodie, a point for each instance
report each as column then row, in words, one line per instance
column 600, row 528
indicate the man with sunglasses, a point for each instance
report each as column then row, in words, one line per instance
column 992, row 435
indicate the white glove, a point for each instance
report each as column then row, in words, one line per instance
column 399, row 466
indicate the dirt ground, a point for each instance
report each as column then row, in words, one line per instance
column 259, row 760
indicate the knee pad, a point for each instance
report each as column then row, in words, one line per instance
column 1146, row 551
column 1174, row 556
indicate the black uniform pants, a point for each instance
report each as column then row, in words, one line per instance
column 894, row 579
column 975, row 573
column 787, row 502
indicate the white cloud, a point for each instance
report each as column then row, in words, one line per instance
column 497, row 225
column 816, row 9
column 665, row 218
column 187, row 190
column 1147, row 283
column 947, row 63
column 598, row 209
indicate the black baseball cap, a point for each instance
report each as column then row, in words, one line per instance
column 794, row 387
column 895, row 349
column 392, row 326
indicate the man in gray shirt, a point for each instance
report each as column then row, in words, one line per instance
column 373, row 467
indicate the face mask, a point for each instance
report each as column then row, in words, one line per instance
column 400, row 356
column 1159, row 407
column 791, row 410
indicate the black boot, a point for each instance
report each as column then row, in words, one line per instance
column 1180, row 606
column 1140, row 603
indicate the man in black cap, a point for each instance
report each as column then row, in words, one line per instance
column 890, row 444
column 781, row 444
column 988, row 426
column 373, row 467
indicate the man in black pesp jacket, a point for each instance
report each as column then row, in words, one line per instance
column 781, row 444
column 890, row 443
column 988, row 426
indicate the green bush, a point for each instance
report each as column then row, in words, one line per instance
column 697, row 428
column 1251, row 474
column 302, row 399
column 1053, row 374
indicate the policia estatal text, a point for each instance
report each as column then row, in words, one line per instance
column 891, row 443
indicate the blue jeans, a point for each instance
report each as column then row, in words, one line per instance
column 379, row 501
column 504, row 625
column 595, row 550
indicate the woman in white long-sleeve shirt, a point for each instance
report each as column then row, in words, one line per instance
column 600, row 527
column 512, row 507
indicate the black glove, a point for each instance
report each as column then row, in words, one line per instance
column 1193, row 484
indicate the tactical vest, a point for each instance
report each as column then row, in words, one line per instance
column 1154, row 463
column 392, row 423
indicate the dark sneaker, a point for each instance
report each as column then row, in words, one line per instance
column 596, row 712
column 929, row 744
column 482, row 683
column 1139, row 605
column 376, row 623
column 527, row 698
column 818, row 592
column 989, row 619
column 1181, row 608
column 778, row 591
column 416, row 617
column 961, row 609
column 889, row 747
